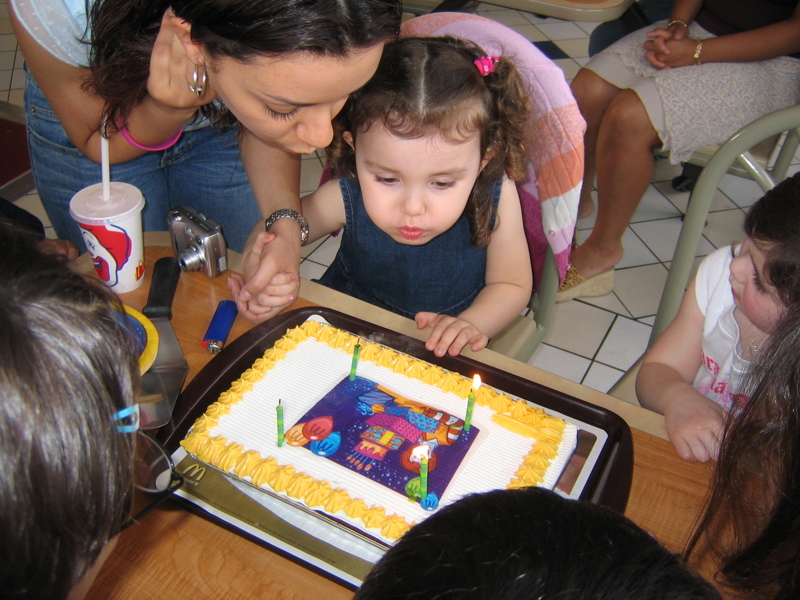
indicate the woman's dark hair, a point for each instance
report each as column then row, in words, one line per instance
column 773, row 223
column 430, row 86
column 67, row 366
column 529, row 543
column 751, row 521
column 123, row 33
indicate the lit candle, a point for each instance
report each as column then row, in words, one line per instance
column 476, row 383
column 281, row 437
column 420, row 454
column 356, row 352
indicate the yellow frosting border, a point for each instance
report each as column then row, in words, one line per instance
column 514, row 415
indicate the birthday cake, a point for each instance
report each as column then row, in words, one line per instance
column 377, row 442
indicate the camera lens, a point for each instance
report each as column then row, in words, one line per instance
column 191, row 259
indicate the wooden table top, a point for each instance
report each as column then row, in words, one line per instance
column 175, row 554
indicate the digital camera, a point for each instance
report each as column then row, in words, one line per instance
column 198, row 242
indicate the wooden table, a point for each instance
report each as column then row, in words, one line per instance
column 175, row 554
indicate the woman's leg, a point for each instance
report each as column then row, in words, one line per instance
column 624, row 162
column 593, row 94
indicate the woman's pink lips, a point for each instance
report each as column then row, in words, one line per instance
column 410, row 233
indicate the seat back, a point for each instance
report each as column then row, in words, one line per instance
column 550, row 193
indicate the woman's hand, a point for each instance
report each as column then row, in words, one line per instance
column 670, row 52
column 271, row 279
column 171, row 68
column 450, row 334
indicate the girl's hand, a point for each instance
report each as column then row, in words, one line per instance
column 171, row 69
column 695, row 425
column 269, row 286
column 450, row 334
column 665, row 53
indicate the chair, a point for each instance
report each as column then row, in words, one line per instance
column 550, row 193
column 734, row 152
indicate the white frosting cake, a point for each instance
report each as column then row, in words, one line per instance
column 510, row 444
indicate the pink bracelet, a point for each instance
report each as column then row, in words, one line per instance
column 168, row 144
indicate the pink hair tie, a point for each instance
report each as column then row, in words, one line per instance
column 485, row 64
column 168, row 144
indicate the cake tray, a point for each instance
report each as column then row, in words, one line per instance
column 213, row 496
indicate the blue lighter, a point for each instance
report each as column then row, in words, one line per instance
column 220, row 326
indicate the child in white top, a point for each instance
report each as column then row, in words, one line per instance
column 692, row 374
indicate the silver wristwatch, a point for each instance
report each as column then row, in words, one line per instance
column 288, row 213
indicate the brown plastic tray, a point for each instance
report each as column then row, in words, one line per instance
column 609, row 483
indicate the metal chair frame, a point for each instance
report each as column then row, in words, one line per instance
column 735, row 152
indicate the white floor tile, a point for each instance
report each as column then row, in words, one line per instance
column 311, row 270
column 654, row 205
column 625, row 344
column 509, row 17
column 554, row 360
column 310, row 172
column 744, row 192
column 601, row 377
column 609, row 302
column 569, row 66
column 7, row 61
column 579, row 328
column 662, row 238
column 531, row 32
column 327, row 251
column 639, row 288
column 561, row 30
column 575, row 48
column 725, row 227
column 636, row 252
column 681, row 199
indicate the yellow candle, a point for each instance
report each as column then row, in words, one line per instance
column 356, row 352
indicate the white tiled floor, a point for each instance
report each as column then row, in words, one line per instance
column 593, row 341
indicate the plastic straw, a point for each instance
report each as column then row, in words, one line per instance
column 104, row 161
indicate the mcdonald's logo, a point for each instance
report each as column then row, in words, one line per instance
column 194, row 472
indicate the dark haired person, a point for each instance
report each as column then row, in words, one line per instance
column 752, row 518
column 68, row 368
column 530, row 543
column 160, row 72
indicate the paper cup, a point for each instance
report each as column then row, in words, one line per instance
column 112, row 231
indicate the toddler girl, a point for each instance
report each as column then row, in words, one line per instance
column 425, row 155
column 693, row 372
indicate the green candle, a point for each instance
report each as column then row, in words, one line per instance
column 356, row 352
column 281, row 437
column 423, row 478
column 476, row 383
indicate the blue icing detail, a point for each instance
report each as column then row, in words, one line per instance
column 399, row 411
column 327, row 446
column 431, row 502
column 423, row 422
column 376, row 397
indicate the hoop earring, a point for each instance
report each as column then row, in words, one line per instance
column 199, row 79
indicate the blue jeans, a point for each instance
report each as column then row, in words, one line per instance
column 203, row 170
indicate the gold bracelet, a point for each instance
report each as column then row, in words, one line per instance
column 697, row 50
column 676, row 22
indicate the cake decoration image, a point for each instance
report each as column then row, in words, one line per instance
column 367, row 428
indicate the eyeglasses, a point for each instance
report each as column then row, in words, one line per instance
column 154, row 473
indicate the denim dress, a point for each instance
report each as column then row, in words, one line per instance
column 443, row 276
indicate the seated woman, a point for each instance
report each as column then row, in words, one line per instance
column 68, row 369
column 714, row 67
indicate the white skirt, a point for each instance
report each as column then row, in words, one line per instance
column 693, row 106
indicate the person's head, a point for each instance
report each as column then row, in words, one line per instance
column 751, row 521
column 529, row 543
column 428, row 136
column 765, row 275
column 68, row 366
column 283, row 68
